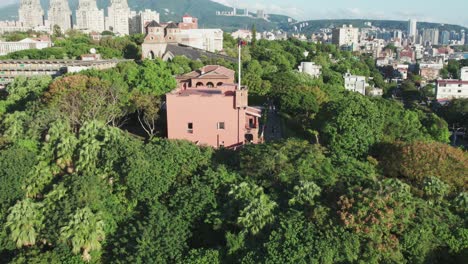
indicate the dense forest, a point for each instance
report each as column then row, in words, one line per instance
column 86, row 174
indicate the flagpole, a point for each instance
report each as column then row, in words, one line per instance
column 240, row 65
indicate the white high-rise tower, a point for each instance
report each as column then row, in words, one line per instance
column 412, row 28
column 31, row 13
column 60, row 14
column 118, row 17
column 89, row 17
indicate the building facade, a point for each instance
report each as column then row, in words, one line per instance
column 158, row 37
column 412, row 29
column 430, row 36
column 355, row 83
column 10, row 69
column 88, row 17
column 28, row 43
column 118, row 15
column 311, row 69
column 453, row 89
column 208, row 108
column 31, row 13
column 60, row 14
column 346, row 37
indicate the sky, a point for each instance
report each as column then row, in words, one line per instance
column 453, row 11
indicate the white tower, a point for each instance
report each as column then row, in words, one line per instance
column 118, row 17
column 89, row 17
column 60, row 14
column 31, row 13
column 412, row 28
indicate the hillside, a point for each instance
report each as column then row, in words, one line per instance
column 315, row 25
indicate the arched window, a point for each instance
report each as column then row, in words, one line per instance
column 199, row 84
column 219, row 84
column 151, row 55
column 210, row 85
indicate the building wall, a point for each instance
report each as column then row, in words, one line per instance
column 346, row 36
column 9, row 47
column 205, row 112
column 60, row 14
column 118, row 15
column 89, row 17
column 31, row 13
column 452, row 90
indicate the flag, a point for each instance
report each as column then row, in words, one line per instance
column 241, row 42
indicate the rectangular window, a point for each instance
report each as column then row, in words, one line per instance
column 220, row 125
column 190, row 127
column 459, row 91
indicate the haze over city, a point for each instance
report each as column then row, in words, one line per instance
column 423, row 10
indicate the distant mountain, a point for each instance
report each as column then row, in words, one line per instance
column 314, row 25
column 173, row 10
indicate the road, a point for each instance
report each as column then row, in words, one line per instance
column 273, row 126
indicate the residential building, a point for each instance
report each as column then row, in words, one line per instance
column 209, row 108
column 245, row 34
column 311, row 69
column 88, row 17
column 412, row 29
column 143, row 19
column 452, row 89
column 430, row 71
column 118, row 15
column 430, row 36
column 27, row 43
column 59, row 14
column 31, row 13
column 346, row 37
column 355, row 83
column 445, row 37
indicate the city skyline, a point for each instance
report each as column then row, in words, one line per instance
column 421, row 10
column 342, row 9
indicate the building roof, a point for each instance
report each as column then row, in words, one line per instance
column 153, row 24
column 209, row 72
column 451, row 82
column 194, row 53
column 172, row 25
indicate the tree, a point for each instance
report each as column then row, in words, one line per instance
column 24, row 222
column 415, row 161
column 350, row 126
column 151, row 77
column 79, row 98
column 256, row 208
column 85, row 231
column 148, row 107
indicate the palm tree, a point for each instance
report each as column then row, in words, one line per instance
column 85, row 231
column 24, row 222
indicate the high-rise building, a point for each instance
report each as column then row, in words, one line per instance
column 412, row 29
column 143, row 18
column 118, row 15
column 346, row 37
column 60, row 14
column 430, row 36
column 31, row 13
column 89, row 17
column 445, row 37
